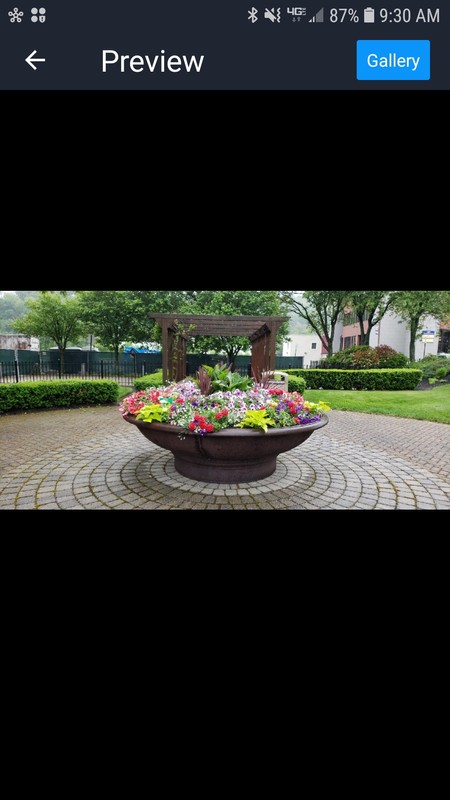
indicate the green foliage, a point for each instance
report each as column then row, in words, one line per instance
column 297, row 371
column 114, row 317
column 11, row 308
column 393, row 379
column 342, row 360
column 54, row 315
column 321, row 310
column 441, row 372
column 236, row 303
column 366, row 357
column 388, row 358
column 432, row 405
column 256, row 419
column 415, row 306
column 149, row 381
column 154, row 412
column 320, row 406
column 119, row 316
column 296, row 384
column 430, row 365
column 52, row 394
column 223, row 380
column 161, row 302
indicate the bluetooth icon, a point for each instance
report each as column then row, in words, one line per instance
column 253, row 14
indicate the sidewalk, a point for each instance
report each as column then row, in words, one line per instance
column 90, row 458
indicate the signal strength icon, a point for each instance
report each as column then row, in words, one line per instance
column 317, row 17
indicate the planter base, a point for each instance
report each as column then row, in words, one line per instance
column 217, row 471
column 232, row 455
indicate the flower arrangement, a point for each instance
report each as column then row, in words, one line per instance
column 256, row 406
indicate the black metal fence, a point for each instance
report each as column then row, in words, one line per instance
column 125, row 374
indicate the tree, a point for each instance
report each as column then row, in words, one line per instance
column 55, row 315
column 321, row 310
column 237, row 303
column 11, row 308
column 114, row 317
column 161, row 302
column 415, row 306
column 28, row 295
column 371, row 307
column 117, row 317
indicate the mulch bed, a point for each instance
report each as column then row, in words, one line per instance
column 425, row 385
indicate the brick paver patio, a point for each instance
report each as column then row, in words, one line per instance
column 91, row 459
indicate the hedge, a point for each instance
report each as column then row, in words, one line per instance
column 297, row 371
column 153, row 381
column 296, row 384
column 51, row 394
column 389, row 379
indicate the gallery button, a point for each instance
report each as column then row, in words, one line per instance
column 392, row 60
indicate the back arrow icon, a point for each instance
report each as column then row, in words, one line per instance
column 30, row 59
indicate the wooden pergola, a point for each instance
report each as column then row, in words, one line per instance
column 178, row 328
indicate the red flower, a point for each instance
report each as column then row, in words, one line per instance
column 209, row 428
column 191, row 426
column 225, row 412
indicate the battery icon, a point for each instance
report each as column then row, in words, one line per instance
column 369, row 15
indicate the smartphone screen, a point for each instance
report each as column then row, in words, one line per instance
column 195, row 45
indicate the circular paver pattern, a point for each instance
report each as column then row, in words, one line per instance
column 90, row 459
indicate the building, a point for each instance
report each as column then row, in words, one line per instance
column 17, row 341
column 307, row 346
column 444, row 338
column 394, row 332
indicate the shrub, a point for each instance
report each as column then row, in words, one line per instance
column 366, row 357
column 153, row 381
column 296, row 384
column 389, row 379
column 431, row 364
column 441, row 373
column 388, row 358
column 341, row 360
column 53, row 394
column 297, row 371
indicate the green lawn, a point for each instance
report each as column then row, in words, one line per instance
column 124, row 390
column 430, row 404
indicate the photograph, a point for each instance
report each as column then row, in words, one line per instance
column 213, row 400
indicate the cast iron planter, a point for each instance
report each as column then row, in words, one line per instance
column 232, row 455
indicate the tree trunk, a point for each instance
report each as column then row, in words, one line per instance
column 328, row 342
column 61, row 361
column 231, row 355
column 414, row 324
column 116, row 358
column 365, row 337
